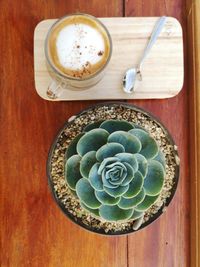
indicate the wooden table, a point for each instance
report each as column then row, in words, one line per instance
column 34, row 232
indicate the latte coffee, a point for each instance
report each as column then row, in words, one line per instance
column 79, row 46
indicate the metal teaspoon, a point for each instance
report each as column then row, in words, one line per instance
column 133, row 74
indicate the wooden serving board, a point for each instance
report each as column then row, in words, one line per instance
column 162, row 70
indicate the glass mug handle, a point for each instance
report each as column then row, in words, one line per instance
column 55, row 89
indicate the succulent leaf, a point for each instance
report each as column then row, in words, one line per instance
column 135, row 186
column 86, row 194
column 161, row 158
column 94, row 211
column 106, row 199
column 114, row 213
column 116, row 192
column 136, row 215
column 92, row 126
column 107, row 162
column 154, row 180
column 116, row 175
column 139, row 197
column 95, row 179
column 106, row 181
column 129, row 175
column 149, row 146
column 111, row 177
column 72, row 171
column 137, row 223
column 128, row 158
column 146, row 203
column 86, row 163
column 114, row 125
column 142, row 164
column 109, row 150
column 71, row 150
column 126, row 203
column 130, row 143
column 92, row 141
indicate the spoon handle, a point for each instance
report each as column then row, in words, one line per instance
column 156, row 31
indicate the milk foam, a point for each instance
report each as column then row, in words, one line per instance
column 79, row 44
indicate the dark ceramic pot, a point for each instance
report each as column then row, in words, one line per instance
column 78, row 221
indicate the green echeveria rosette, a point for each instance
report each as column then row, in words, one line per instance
column 116, row 169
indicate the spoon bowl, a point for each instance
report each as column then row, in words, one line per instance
column 130, row 78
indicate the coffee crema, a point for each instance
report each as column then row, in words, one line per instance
column 78, row 46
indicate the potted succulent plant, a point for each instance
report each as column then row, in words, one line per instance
column 113, row 169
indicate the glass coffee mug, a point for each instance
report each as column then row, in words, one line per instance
column 78, row 48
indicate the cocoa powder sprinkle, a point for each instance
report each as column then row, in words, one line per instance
column 100, row 53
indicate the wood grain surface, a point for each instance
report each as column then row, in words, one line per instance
column 34, row 232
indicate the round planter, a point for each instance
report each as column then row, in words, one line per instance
column 55, row 170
